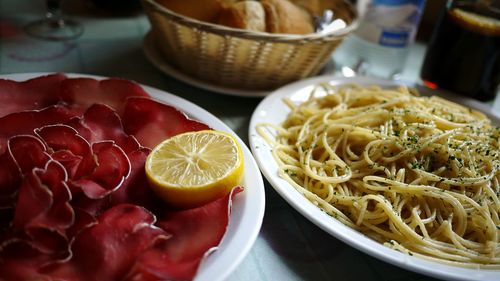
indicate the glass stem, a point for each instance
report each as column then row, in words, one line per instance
column 54, row 10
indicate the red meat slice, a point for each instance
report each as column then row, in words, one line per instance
column 47, row 241
column 108, row 249
column 135, row 189
column 24, row 152
column 26, row 121
column 152, row 122
column 41, row 216
column 113, row 166
column 19, row 260
column 83, row 92
column 28, row 152
column 101, row 122
column 10, row 179
column 92, row 207
column 35, row 93
column 62, row 137
column 43, row 200
column 82, row 221
column 69, row 148
column 43, row 213
column 34, row 199
column 80, row 93
column 70, row 161
column 194, row 233
column 97, row 170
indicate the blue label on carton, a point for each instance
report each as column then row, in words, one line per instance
column 394, row 38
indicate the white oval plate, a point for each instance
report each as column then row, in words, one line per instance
column 273, row 110
column 156, row 57
column 247, row 207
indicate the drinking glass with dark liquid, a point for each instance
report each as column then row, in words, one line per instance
column 463, row 55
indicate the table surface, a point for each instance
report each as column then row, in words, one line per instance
column 288, row 247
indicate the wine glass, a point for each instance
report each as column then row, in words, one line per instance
column 54, row 26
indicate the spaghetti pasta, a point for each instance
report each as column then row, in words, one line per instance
column 419, row 174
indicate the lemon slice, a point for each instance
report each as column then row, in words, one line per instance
column 476, row 22
column 194, row 168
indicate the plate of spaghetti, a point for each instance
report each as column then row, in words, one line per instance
column 409, row 178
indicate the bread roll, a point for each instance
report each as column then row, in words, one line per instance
column 203, row 10
column 274, row 16
column 248, row 15
column 282, row 16
column 314, row 7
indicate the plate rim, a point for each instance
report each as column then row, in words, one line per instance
column 252, row 200
column 351, row 237
column 156, row 58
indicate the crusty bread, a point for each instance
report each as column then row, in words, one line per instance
column 203, row 10
column 274, row 16
column 282, row 16
column 248, row 15
column 312, row 6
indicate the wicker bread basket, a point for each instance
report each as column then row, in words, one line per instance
column 244, row 59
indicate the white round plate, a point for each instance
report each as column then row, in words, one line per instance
column 247, row 207
column 273, row 110
column 156, row 57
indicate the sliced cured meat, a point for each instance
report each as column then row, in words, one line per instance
column 19, row 260
column 60, row 216
column 92, row 207
column 94, row 170
column 74, row 199
column 135, row 188
column 195, row 230
column 70, row 161
column 156, row 264
column 6, row 216
column 24, row 152
column 28, row 152
column 25, row 122
column 113, row 166
column 152, row 122
column 43, row 213
column 34, row 199
column 47, row 241
column 194, row 233
column 10, row 179
column 83, row 92
column 43, row 200
column 69, row 148
column 101, row 122
column 108, row 249
column 35, row 93
column 52, row 89
column 82, row 221
column 62, row 137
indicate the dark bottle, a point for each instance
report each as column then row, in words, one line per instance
column 463, row 55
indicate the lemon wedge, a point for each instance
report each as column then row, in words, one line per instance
column 194, row 168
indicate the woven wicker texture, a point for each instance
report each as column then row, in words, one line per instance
column 243, row 59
